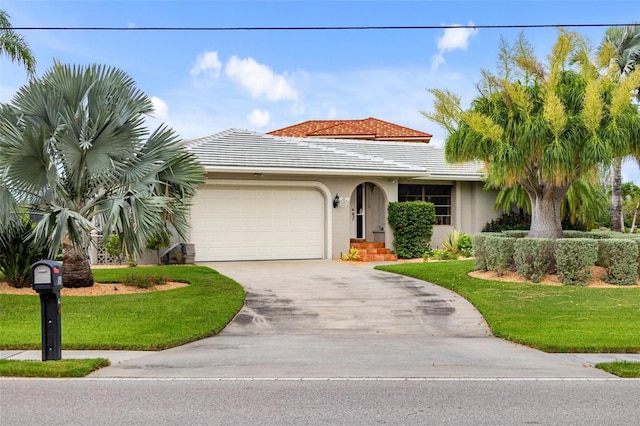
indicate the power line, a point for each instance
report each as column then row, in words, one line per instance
column 322, row 28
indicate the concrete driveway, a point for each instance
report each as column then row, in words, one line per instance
column 324, row 319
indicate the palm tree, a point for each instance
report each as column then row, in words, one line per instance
column 14, row 46
column 621, row 49
column 631, row 192
column 74, row 146
column 585, row 203
column 542, row 127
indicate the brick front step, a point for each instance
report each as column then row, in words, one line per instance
column 372, row 252
column 366, row 246
column 378, row 257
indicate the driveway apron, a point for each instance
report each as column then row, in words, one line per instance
column 325, row 319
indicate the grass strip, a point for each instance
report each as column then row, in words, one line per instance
column 625, row 369
column 142, row 321
column 550, row 318
column 51, row 369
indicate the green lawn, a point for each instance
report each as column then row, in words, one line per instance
column 552, row 319
column 53, row 369
column 625, row 369
column 142, row 321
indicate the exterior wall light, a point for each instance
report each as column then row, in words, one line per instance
column 336, row 201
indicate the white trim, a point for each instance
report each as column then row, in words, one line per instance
column 322, row 188
column 316, row 172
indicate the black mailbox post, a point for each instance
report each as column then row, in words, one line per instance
column 46, row 279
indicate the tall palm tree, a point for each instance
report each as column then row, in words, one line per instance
column 74, row 146
column 542, row 130
column 621, row 46
column 14, row 46
column 631, row 191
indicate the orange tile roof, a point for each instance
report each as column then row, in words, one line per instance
column 368, row 129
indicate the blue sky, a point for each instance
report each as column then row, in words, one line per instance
column 203, row 82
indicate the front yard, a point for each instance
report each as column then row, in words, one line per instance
column 141, row 321
column 549, row 318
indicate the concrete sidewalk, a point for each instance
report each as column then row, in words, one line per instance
column 116, row 357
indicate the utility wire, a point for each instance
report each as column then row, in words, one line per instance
column 323, row 28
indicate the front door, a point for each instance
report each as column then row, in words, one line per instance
column 358, row 213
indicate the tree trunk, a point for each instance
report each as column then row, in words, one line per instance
column 633, row 223
column 546, row 221
column 76, row 271
column 617, row 223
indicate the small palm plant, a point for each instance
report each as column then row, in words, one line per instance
column 457, row 243
column 74, row 147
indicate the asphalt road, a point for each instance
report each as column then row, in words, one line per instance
column 319, row 402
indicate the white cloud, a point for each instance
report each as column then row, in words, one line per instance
column 452, row 39
column 259, row 80
column 160, row 108
column 258, row 118
column 456, row 38
column 207, row 64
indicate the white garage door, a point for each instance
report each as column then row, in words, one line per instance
column 257, row 223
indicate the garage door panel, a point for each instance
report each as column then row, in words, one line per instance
column 258, row 224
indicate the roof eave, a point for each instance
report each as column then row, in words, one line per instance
column 317, row 172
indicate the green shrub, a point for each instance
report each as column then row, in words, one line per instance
column 574, row 259
column 637, row 241
column 499, row 254
column 412, row 223
column 465, row 245
column 621, row 257
column 599, row 235
column 479, row 253
column 511, row 220
column 19, row 250
column 533, row 257
column 458, row 243
column 444, row 255
column 144, row 281
column 522, row 221
column 158, row 241
column 575, row 234
column 450, row 242
column 113, row 247
column 515, row 233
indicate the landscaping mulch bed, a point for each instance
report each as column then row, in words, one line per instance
column 98, row 289
column 596, row 278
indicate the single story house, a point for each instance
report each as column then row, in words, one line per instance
column 274, row 196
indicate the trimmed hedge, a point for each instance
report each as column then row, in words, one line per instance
column 516, row 233
column 574, row 259
column 579, row 252
column 479, row 253
column 620, row 257
column 575, row 234
column 412, row 223
column 533, row 257
column 499, row 254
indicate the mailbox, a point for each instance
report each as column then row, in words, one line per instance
column 46, row 279
column 46, row 275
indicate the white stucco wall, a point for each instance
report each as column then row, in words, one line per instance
column 472, row 207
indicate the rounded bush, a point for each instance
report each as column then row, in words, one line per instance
column 533, row 257
column 574, row 259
